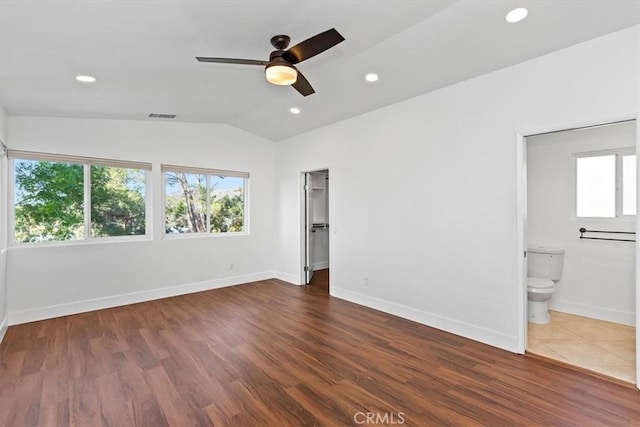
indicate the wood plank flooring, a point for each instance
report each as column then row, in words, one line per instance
column 269, row 353
column 320, row 281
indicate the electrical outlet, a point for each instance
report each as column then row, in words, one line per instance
column 366, row 281
column 231, row 266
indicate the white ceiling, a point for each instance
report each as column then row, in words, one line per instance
column 143, row 54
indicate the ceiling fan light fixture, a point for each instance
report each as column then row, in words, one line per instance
column 281, row 75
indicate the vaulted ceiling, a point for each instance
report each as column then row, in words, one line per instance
column 143, row 54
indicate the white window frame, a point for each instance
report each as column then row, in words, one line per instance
column 619, row 153
column 164, row 168
column 86, row 162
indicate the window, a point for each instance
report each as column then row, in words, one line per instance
column 60, row 198
column 118, row 205
column 606, row 184
column 204, row 200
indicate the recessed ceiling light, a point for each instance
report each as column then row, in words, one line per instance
column 86, row 79
column 371, row 77
column 517, row 15
column 294, row 110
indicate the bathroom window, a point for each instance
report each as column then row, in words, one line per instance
column 606, row 184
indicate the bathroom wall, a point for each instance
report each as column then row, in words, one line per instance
column 598, row 278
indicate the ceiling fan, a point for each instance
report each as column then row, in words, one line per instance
column 280, row 69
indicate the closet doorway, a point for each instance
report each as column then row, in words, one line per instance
column 316, row 230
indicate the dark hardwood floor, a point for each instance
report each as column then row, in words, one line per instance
column 269, row 353
column 320, row 281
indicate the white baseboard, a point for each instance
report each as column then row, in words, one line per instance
column 4, row 325
column 289, row 278
column 49, row 312
column 599, row 313
column 487, row 336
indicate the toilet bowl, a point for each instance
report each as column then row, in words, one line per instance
column 539, row 292
column 544, row 268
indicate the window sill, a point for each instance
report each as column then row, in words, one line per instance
column 179, row 236
column 93, row 241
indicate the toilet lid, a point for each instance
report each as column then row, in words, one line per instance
column 536, row 282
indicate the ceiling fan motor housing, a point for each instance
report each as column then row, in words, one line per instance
column 282, row 57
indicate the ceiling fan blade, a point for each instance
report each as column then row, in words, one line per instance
column 314, row 45
column 232, row 61
column 303, row 86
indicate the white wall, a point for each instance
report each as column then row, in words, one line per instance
column 45, row 281
column 435, row 235
column 3, row 124
column 598, row 277
column 4, row 320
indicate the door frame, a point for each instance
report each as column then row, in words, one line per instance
column 4, row 242
column 303, row 231
column 521, row 222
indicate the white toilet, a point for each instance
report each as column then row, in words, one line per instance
column 544, row 268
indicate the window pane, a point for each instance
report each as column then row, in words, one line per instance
column 227, row 204
column 629, row 185
column 49, row 198
column 117, row 201
column 596, row 186
column 186, row 203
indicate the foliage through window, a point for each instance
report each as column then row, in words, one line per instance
column 204, row 201
column 606, row 184
column 117, row 201
column 58, row 200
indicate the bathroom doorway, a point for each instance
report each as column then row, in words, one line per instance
column 580, row 198
column 316, row 230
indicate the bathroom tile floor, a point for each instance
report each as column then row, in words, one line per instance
column 604, row 347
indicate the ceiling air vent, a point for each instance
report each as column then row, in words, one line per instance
column 162, row 116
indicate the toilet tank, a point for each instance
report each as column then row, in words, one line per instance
column 544, row 262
